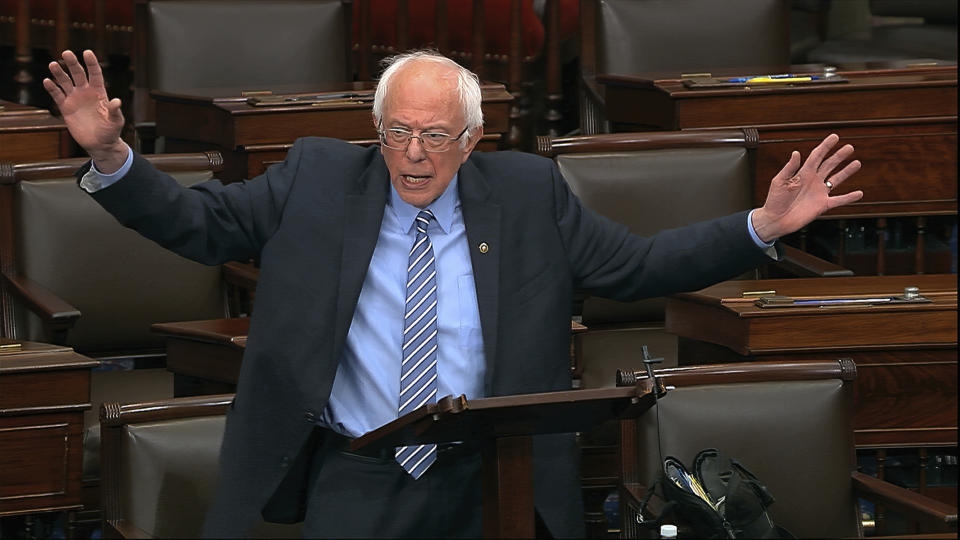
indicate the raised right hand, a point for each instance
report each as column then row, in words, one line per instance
column 93, row 119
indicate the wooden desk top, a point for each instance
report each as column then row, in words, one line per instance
column 730, row 293
column 855, row 81
column 20, row 118
column 721, row 315
column 226, row 117
column 233, row 332
column 30, row 134
column 866, row 96
column 844, row 68
column 229, row 332
column 24, row 356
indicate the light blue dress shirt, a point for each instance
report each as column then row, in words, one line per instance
column 366, row 389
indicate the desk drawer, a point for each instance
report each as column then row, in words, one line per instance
column 44, row 389
column 41, row 456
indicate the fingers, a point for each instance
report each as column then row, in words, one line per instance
column 846, row 198
column 835, row 160
column 94, row 73
column 76, row 70
column 789, row 168
column 845, row 173
column 55, row 92
column 113, row 109
column 61, row 77
column 819, row 153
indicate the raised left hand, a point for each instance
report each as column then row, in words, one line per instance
column 800, row 193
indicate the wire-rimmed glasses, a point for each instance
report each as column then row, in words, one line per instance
column 432, row 141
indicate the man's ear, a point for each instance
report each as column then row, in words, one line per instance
column 475, row 135
column 376, row 126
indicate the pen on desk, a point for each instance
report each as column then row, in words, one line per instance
column 825, row 301
column 774, row 79
column 323, row 97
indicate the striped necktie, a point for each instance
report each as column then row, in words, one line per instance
column 418, row 371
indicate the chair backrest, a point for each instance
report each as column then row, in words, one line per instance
column 630, row 37
column 637, row 36
column 237, row 46
column 189, row 44
column 654, row 181
column 160, row 466
column 119, row 281
column 791, row 424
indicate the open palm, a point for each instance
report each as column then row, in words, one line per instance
column 800, row 192
column 94, row 120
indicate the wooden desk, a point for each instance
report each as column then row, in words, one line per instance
column 44, row 390
column 205, row 356
column 31, row 134
column 903, row 123
column 906, row 355
column 253, row 137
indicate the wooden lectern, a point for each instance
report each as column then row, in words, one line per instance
column 503, row 426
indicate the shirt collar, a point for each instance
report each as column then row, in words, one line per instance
column 442, row 208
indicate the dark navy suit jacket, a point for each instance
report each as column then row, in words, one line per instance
column 313, row 222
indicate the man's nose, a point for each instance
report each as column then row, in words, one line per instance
column 415, row 153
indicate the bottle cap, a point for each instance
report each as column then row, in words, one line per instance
column 668, row 531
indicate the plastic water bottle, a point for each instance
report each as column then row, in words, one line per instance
column 668, row 531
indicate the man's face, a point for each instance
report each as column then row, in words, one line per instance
column 423, row 98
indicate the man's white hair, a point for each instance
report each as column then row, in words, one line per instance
column 468, row 85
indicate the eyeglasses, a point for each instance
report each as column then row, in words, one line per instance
column 432, row 141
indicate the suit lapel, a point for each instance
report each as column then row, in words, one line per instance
column 481, row 217
column 363, row 212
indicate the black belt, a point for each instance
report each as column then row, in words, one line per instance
column 342, row 443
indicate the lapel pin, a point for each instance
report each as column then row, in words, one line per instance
column 483, row 247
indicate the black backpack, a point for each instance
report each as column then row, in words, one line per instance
column 719, row 498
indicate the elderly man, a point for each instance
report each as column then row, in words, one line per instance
column 391, row 275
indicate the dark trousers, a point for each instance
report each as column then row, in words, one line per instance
column 369, row 495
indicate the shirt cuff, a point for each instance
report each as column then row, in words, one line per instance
column 767, row 247
column 753, row 233
column 94, row 180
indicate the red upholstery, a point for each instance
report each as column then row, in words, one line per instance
column 119, row 12
column 460, row 17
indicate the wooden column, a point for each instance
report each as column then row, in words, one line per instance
column 363, row 53
column 478, row 40
column 61, row 28
column 508, row 461
column 515, row 75
column 842, row 243
column 441, row 26
column 22, row 54
column 554, row 89
column 881, row 246
column 920, row 253
column 403, row 25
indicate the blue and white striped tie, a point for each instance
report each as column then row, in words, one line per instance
column 418, row 372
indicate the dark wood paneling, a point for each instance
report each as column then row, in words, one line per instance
column 44, row 389
column 41, row 456
column 909, row 166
